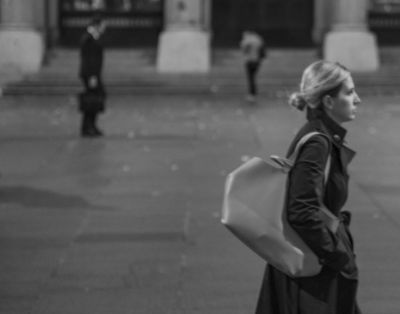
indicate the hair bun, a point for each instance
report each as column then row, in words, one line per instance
column 297, row 101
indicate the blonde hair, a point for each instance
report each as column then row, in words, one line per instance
column 319, row 79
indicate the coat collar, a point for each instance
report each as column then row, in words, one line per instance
column 336, row 133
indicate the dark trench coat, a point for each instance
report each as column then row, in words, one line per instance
column 91, row 100
column 91, row 60
column 91, row 55
column 333, row 291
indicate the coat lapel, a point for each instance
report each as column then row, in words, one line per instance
column 337, row 135
column 346, row 156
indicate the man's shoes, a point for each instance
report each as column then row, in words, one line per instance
column 91, row 133
column 98, row 132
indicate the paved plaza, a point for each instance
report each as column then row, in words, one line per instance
column 129, row 223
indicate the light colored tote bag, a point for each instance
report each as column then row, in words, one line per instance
column 254, row 211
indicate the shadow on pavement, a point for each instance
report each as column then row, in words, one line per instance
column 39, row 198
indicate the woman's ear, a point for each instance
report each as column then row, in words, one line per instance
column 327, row 102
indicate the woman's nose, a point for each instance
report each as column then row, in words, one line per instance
column 357, row 99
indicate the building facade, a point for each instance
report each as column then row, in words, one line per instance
column 192, row 28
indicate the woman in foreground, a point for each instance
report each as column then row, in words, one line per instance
column 327, row 95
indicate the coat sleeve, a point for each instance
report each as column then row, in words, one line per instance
column 305, row 195
column 92, row 57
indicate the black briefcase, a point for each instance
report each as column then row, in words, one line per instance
column 91, row 101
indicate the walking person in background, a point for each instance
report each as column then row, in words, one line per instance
column 91, row 65
column 328, row 95
column 253, row 49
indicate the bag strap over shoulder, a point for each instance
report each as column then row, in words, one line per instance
column 330, row 219
column 301, row 142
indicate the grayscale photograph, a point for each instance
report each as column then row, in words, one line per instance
column 199, row 156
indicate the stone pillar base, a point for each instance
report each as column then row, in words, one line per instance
column 185, row 50
column 21, row 50
column 356, row 50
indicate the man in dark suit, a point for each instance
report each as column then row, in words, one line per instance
column 91, row 65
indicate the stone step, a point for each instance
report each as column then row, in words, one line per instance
column 133, row 71
column 272, row 86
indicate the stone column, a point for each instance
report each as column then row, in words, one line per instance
column 21, row 45
column 322, row 20
column 349, row 41
column 184, row 45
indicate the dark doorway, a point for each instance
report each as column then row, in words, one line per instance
column 283, row 23
column 384, row 21
column 130, row 23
